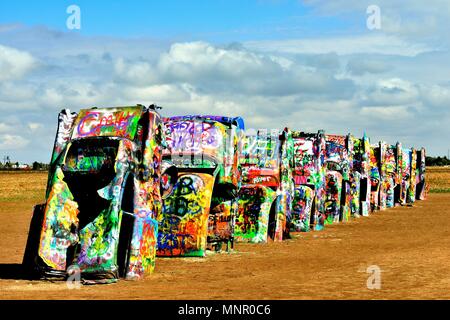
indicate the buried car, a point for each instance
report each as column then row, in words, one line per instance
column 337, row 185
column 421, row 186
column 408, row 185
column 390, row 173
column 359, row 177
column 375, row 177
column 309, row 179
column 265, row 198
column 199, row 213
column 103, row 197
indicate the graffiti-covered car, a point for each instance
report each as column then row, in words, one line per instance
column 408, row 185
column 375, row 177
column 265, row 198
column 360, row 177
column 199, row 213
column 337, row 185
column 390, row 173
column 103, row 196
column 309, row 178
column 421, row 186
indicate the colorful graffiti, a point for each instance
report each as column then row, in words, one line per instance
column 389, row 175
column 302, row 208
column 355, row 193
column 115, row 122
column 333, row 189
column 183, row 225
column 103, row 198
column 221, row 223
column 421, row 186
column 61, row 220
column 359, row 179
column 337, row 187
column 309, row 178
column 412, row 185
column 196, row 137
column 408, row 184
column 126, row 185
column 375, row 177
column 266, row 161
column 252, row 220
column 205, row 142
column 208, row 147
column 63, row 133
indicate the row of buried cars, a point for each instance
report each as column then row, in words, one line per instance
column 126, row 186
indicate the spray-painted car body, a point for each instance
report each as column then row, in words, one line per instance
column 408, row 188
column 199, row 213
column 309, row 177
column 337, row 185
column 360, row 177
column 375, row 177
column 421, row 186
column 265, row 198
column 103, row 196
column 390, row 174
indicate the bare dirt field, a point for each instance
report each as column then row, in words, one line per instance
column 438, row 179
column 409, row 244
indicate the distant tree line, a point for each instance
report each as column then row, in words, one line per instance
column 40, row 166
column 10, row 165
column 437, row 161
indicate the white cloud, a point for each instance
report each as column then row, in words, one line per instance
column 343, row 45
column 211, row 69
column 12, row 142
column 392, row 92
column 438, row 97
column 138, row 72
column 201, row 59
column 33, row 126
column 154, row 93
column 337, row 7
column 413, row 20
column 387, row 113
column 14, row 64
column 5, row 127
column 320, row 84
column 360, row 66
column 15, row 91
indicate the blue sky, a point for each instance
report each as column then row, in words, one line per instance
column 227, row 20
column 306, row 64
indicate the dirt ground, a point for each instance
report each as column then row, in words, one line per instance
column 409, row 244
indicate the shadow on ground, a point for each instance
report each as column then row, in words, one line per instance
column 13, row 271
